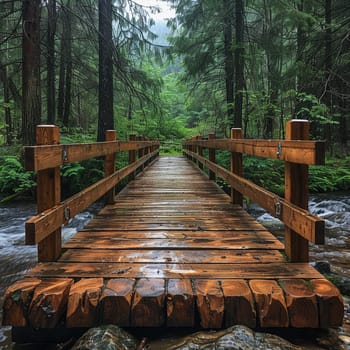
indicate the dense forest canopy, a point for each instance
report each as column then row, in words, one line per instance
column 229, row 63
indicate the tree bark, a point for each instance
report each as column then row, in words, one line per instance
column 7, row 109
column 239, row 63
column 51, row 30
column 61, row 80
column 229, row 64
column 31, row 111
column 328, row 67
column 69, row 65
column 105, row 99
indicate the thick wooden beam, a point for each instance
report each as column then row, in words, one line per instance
column 49, row 194
column 83, row 302
column 239, row 303
column 211, row 156
column 301, row 303
column 294, row 151
column 132, row 158
column 210, row 303
column 43, row 157
column 147, row 309
column 200, row 152
column 17, row 301
column 110, row 164
column 330, row 303
column 236, row 167
column 49, row 302
column 180, row 303
column 301, row 221
column 270, row 303
column 116, row 302
column 296, row 192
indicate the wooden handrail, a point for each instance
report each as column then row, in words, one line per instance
column 308, row 226
column 298, row 153
column 295, row 151
column 44, row 229
column 51, row 156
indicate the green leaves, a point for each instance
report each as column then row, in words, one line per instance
column 13, row 177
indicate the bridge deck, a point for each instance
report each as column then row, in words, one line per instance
column 173, row 251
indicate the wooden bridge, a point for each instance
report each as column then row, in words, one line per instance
column 172, row 249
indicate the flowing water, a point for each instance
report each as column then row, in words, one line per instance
column 16, row 258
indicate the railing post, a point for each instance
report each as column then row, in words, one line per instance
column 200, row 152
column 211, row 152
column 194, row 149
column 132, row 157
column 296, row 191
column 236, row 166
column 147, row 151
column 48, row 193
column 141, row 151
column 111, row 135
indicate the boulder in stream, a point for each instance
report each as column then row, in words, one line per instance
column 233, row 338
column 106, row 338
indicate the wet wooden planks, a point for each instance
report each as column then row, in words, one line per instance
column 173, row 251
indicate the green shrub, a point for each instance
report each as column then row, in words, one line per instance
column 13, row 177
column 77, row 176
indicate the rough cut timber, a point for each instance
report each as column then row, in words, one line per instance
column 173, row 251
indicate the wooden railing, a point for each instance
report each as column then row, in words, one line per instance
column 297, row 152
column 46, row 158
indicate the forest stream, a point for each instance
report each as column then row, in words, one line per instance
column 16, row 259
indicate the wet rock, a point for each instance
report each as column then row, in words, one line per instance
column 106, row 338
column 323, row 267
column 234, row 338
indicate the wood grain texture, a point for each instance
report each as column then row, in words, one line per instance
column 49, row 302
column 210, row 302
column 116, row 302
column 270, row 303
column 17, row 300
column 180, row 303
column 239, row 303
column 83, row 302
column 330, row 303
column 303, row 152
column 301, row 303
column 148, row 307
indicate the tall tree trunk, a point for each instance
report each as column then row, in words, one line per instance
column 301, row 39
column 328, row 67
column 68, row 71
column 239, row 63
column 31, row 111
column 7, row 109
column 61, row 79
column 229, row 64
column 105, row 97
column 51, row 30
